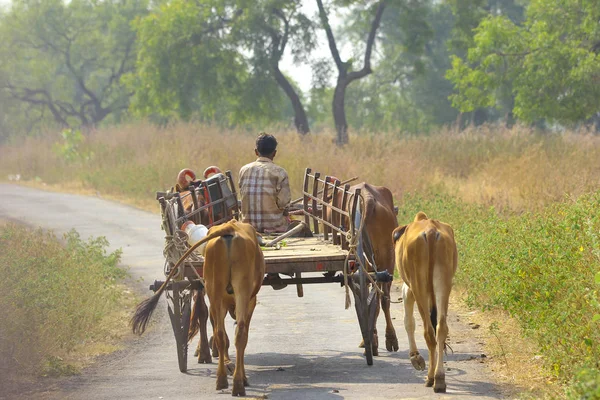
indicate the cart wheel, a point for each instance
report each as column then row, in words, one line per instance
column 182, row 347
column 180, row 321
column 366, row 303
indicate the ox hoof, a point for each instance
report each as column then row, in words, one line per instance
column 391, row 343
column 429, row 382
column 362, row 344
column 238, row 389
column 222, row 382
column 213, row 346
column 439, row 386
column 419, row 363
column 205, row 359
column 196, row 353
column 230, row 368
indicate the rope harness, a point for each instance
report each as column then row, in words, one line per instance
column 175, row 246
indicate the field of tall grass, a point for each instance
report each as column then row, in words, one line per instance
column 514, row 169
column 524, row 205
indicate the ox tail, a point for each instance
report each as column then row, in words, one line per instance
column 364, row 247
column 228, row 240
column 431, row 237
column 143, row 312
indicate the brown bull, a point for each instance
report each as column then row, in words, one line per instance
column 426, row 258
column 233, row 270
column 380, row 222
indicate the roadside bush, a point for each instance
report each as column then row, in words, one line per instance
column 52, row 294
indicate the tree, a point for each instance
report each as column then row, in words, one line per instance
column 551, row 69
column 265, row 32
column 227, row 53
column 66, row 59
column 345, row 73
column 408, row 90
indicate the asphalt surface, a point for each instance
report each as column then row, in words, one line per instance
column 299, row 348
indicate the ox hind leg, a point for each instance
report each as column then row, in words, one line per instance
column 391, row 340
column 409, row 324
column 427, row 312
column 217, row 313
column 240, row 380
column 442, row 298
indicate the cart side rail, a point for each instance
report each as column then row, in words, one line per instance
column 221, row 207
column 325, row 201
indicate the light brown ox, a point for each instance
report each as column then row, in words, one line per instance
column 380, row 222
column 234, row 268
column 426, row 258
column 233, row 271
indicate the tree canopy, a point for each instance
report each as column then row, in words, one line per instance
column 537, row 69
column 413, row 65
column 64, row 61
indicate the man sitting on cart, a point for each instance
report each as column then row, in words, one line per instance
column 265, row 193
column 265, row 189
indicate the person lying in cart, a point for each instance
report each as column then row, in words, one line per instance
column 265, row 193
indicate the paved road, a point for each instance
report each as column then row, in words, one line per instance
column 299, row 348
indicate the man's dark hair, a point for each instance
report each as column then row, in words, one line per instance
column 266, row 144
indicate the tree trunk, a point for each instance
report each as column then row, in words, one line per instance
column 339, row 112
column 300, row 119
column 344, row 76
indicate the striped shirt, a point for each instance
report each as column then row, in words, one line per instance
column 265, row 194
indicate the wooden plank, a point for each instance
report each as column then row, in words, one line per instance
column 236, row 208
column 335, row 216
column 344, row 207
column 325, row 215
column 305, row 201
column 314, row 202
column 299, row 289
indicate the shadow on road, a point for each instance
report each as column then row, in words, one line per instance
column 292, row 376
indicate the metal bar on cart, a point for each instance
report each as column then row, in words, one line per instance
column 289, row 233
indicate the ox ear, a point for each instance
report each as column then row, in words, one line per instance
column 398, row 232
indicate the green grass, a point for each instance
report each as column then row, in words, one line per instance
column 54, row 293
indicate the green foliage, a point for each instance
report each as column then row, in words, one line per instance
column 53, row 294
column 585, row 385
column 71, row 148
column 210, row 60
column 63, row 60
column 549, row 68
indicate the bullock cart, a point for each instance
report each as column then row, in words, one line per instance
column 336, row 248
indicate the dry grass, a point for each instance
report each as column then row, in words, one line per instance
column 514, row 169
